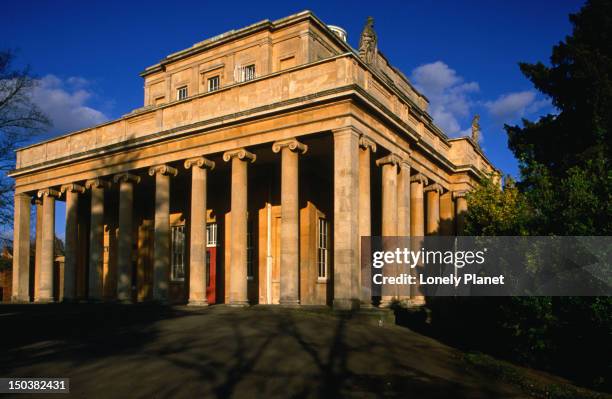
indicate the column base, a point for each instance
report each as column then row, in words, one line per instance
column 197, row 303
column 123, row 298
column 386, row 301
column 416, row 301
column 239, row 304
column 289, row 303
column 17, row 299
column 44, row 300
column 366, row 305
column 345, row 304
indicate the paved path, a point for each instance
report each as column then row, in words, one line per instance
column 218, row 352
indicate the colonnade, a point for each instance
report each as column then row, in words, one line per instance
column 412, row 206
column 403, row 191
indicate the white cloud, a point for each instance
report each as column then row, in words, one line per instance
column 64, row 102
column 511, row 106
column 448, row 93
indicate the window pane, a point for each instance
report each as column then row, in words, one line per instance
column 177, row 253
column 213, row 83
column 211, row 235
column 322, row 248
column 181, row 93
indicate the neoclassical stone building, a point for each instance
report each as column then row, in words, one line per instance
column 258, row 160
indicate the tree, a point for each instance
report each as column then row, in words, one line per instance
column 565, row 188
column 493, row 211
column 565, row 158
column 20, row 120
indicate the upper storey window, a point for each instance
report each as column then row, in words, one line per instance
column 213, row 83
column 181, row 93
column 246, row 73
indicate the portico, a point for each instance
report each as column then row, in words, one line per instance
column 255, row 192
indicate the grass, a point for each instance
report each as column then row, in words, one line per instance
column 532, row 382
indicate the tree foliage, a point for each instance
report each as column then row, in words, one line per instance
column 565, row 158
column 493, row 211
column 565, row 188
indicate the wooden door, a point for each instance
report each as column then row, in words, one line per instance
column 276, row 260
column 211, row 275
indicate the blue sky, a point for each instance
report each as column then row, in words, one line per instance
column 462, row 55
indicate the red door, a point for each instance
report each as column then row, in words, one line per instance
column 211, row 272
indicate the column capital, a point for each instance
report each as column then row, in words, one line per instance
column 419, row 178
column 292, row 144
column 200, row 162
column 126, row 177
column 405, row 164
column 434, row 187
column 35, row 200
column 459, row 194
column 347, row 130
column 163, row 170
column 97, row 183
column 240, row 153
column 73, row 188
column 48, row 192
column 365, row 142
column 393, row 159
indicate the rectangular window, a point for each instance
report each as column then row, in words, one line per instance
column 322, row 248
column 181, row 93
column 177, row 254
column 213, row 83
column 249, row 251
column 246, row 73
column 211, row 235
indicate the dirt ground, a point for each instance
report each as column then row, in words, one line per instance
column 146, row 351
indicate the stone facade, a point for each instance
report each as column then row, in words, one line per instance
column 258, row 160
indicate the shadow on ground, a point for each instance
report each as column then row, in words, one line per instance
column 146, row 351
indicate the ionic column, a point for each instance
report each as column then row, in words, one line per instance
column 197, row 232
column 389, row 194
column 389, row 217
column 290, row 227
column 126, row 234
column 238, row 246
column 447, row 214
column 403, row 200
column 38, row 204
column 45, row 290
column 161, row 235
column 21, row 249
column 433, row 208
column 96, row 237
column 461, row 210
column 346, row 216
column 417, row 209
column 366, row 147
column 72, row 192
column 403, row 219
column 417, row 227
